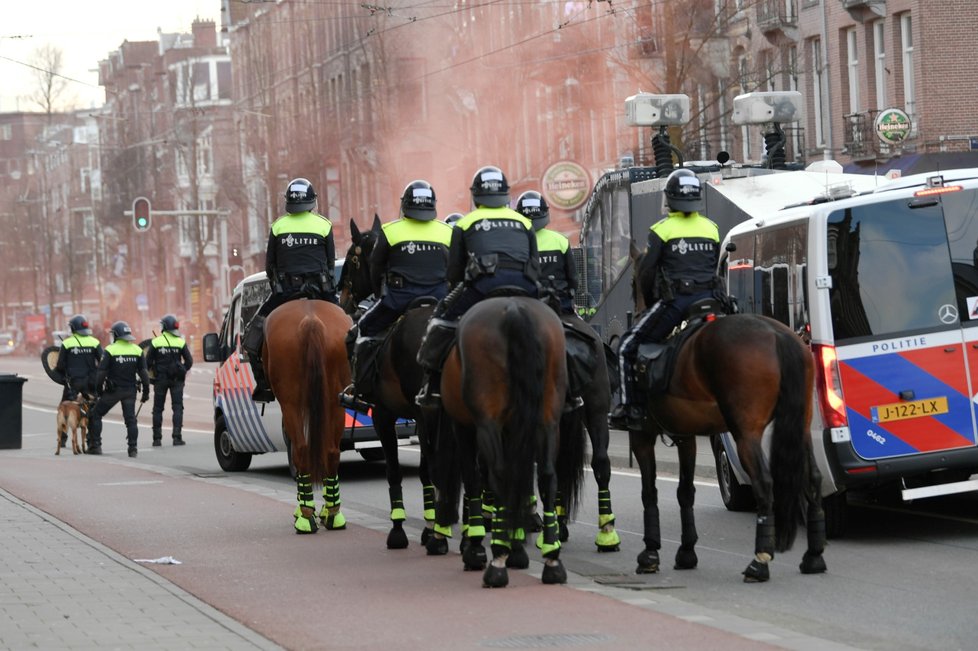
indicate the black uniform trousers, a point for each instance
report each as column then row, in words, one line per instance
column 161, row 386
column 106, row 402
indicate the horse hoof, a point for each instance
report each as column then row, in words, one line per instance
column 306, row 525
column 685, row 559
column 474, row 557
column 436, row 546
column 334, row 521
column 757, row 572
column 397, row 539
column 495, row 577
column 554, row 574
column 812, row 564
column 518, row 559
column 648, row 562
column 608, row 541
column 564, row 533
column 426, row 535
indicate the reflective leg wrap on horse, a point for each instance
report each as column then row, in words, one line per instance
column 474, row 555
column 305, row 513
column 397, row 538
column 607, row 539
column 648, row 558
column 758, row 571
column 397, row 504
column 428, row 498
column 330, row 514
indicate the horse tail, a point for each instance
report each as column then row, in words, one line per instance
column 313, row 398
column 526, row 369
column 789, row 458
column 571, row 458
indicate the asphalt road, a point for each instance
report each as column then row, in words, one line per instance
column 901, row 579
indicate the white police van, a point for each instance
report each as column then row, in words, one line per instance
column 884, row 284
column 242, row 427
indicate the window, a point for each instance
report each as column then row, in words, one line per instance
column 890, row 269
column 879, row 58
column 852, row 67
column 906, row 46
column 6, row 132
column 819, row 88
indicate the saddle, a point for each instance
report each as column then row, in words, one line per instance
column 656, row 362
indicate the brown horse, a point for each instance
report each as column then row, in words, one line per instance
column 400, row 380
column 305, row 358
column 746, row 374
column 504, row 385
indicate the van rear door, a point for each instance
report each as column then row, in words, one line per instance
column 897, row 329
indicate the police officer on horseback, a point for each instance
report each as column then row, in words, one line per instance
column 169, row 358
column 493, row 249
column 121, row 373
column 299, row 261
column 558, row 276
column 678, row 269
column 409, row 261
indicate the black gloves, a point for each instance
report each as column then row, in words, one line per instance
column 145, row 397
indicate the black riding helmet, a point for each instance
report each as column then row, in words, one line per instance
column 490, row 188
column 169, row 323
column 533, row 206
column 683, row 191
column 418, row 201
column 121, row 330
column 79, row 325
column 299, row 196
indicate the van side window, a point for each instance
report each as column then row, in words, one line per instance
column 740, row 273
column 780, row 270
column 890, row 270
column 961, row 218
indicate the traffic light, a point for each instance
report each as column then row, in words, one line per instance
column 142, row 214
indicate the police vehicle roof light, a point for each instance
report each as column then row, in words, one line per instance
column 648, row 110
column 763, row 107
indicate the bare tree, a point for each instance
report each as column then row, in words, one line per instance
column 47, row 62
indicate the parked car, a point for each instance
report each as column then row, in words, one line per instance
column 8, row 343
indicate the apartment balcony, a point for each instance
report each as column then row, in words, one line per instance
column 778, row 19
column 862, row 10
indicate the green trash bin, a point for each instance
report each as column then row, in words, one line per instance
column 11, row 408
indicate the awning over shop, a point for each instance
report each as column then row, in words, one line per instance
column 916, row 163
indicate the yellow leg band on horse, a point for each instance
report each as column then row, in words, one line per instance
column 398, row 514
column 501, row 543
column 443, row 530
column 476, row 532
column 605, row 520
column 561, row 511
column 546, row 549
column 607, row 539
column 429, row 514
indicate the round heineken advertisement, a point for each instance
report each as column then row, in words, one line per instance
column 566, row 185
column 893, row 126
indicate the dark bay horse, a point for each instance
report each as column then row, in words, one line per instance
column 749, row 375
column 400, row 380
column 504, row 385
column 305, row 358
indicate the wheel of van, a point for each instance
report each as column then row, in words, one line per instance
column 735, row 496
column 836, row 507
column 227, row 457
column 371, row 454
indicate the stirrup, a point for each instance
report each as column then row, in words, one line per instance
column 426, row 398
column 572, row 403
column 262, row 394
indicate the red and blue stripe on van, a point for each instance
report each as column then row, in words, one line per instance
column 875, row 376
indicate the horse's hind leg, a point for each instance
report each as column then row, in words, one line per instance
column 305, row 512
column 686, row 494
column 751, row 456
column 607, row 539
column 553, row 568
column 812, row 562
column 643, row 447
column 330, row 515
column 384, row 423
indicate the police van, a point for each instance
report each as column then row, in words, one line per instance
column 884, row 285
column 242, row 427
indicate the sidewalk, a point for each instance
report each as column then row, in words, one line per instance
column 60, row 589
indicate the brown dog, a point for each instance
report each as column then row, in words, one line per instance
column 73, row 417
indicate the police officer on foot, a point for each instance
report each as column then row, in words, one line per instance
column 492, row 246
column 168, row 358
column 299, row 261
column 120, row 374
column 78, row 361
column 410, row 260
column 678, row 269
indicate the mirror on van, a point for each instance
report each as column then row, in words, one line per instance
column 212, row 348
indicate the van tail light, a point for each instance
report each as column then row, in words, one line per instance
column 829, row 385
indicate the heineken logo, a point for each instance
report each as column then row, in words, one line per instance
column 566, row 185
column 893, row 126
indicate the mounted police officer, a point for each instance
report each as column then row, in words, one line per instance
column 492, row 247
column 299, row 261
column 169, row 359
column 409, row 260
column 678, row 269
column 120, row 374
column 78, row 359
column 558, row 276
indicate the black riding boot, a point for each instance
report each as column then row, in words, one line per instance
column 629, row 414
column 252, row 342
column 364, row 374
column 434, row 349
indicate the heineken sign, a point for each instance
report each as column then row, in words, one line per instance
column 892, row 126
column 566, row 185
